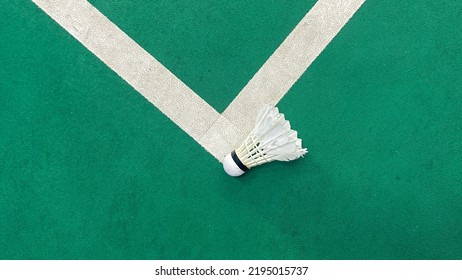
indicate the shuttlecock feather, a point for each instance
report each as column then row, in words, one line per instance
column 271, row 139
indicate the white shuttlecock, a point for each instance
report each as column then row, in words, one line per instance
column 271, row 139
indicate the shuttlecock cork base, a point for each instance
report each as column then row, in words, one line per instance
column 233, row 165
column 271, row 139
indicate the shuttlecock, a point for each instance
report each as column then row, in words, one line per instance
column 271, row 139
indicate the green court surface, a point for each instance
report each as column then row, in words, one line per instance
column 89, row 169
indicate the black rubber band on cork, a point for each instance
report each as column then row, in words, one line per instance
column 238, row 161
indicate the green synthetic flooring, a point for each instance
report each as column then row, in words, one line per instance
column 91, row 170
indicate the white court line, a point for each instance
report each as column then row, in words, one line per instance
column 218, row 134
column 290, row 60
column 133, row 64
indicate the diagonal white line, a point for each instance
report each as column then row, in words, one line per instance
column 309, row 38
column 218, row 134
column 136, row 66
